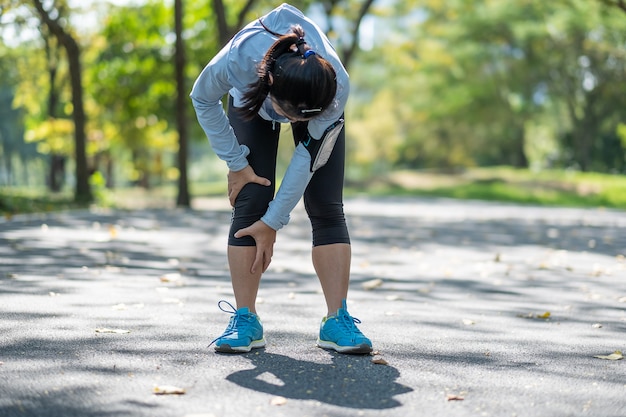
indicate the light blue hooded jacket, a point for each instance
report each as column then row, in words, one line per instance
column 232, row 70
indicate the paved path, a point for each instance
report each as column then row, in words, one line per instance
column 460, row 315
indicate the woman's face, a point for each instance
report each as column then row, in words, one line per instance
column 289, row 117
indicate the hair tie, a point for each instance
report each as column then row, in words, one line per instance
column 308, row 53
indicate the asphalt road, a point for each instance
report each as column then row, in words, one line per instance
column 478, row 309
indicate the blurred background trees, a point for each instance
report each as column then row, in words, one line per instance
column 92, row 93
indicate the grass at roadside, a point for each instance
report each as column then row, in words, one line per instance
column 34, row 200
column 550, row 188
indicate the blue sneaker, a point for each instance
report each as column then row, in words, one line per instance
column 243, row 333
column 339, row 333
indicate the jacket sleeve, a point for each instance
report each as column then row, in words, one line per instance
column 212, row 84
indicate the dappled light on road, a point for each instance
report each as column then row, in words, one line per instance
column 470, row 306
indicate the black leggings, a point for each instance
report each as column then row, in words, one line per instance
column 323, row 197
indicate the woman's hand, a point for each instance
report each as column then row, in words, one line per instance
column 238, row 179
column 264, row 236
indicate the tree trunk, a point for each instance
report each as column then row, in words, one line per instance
column 348, row 53
column 83, row 190
column 518, row 156
column 56, row 173
column 224, row 30
column 183, row 199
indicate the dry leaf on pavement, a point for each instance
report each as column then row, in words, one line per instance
column 372, row 284
column 171, row 277
column 168, row 390
column 615, row 356
column 544, row 316
column 106, row 330
column 278, row 400
column 379, row 361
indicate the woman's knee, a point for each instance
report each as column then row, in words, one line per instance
column 254, row 199
column 250, row 205
column 328, row 223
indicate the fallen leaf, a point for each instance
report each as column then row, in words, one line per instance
column 117, row 331
column 168, row 390
column 544, row 316
column 173, row 277
column 615, row 356
column 372, row 284
column 379, row 361
column 393, row 298
column 454, row 397
column 278, row 400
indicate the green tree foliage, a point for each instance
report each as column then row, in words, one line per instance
column 440, row 84
column 490, row 82
column 132, row 88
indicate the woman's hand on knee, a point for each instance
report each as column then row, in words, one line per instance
column 238, row 179
column 264, row 236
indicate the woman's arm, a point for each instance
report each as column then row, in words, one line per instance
column 206, row 96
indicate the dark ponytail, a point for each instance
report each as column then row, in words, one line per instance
column 304, row 83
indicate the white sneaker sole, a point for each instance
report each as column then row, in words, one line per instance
column 226, row 348
column 361, row 349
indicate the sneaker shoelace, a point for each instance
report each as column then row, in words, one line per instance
column 235, row 318
column 349, row 323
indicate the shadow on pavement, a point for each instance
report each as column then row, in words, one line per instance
column 349, row 381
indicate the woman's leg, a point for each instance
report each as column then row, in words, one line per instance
column 332, row 265
column 261, row 137
column 323, row 201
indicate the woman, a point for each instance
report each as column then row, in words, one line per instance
column 281, row 68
